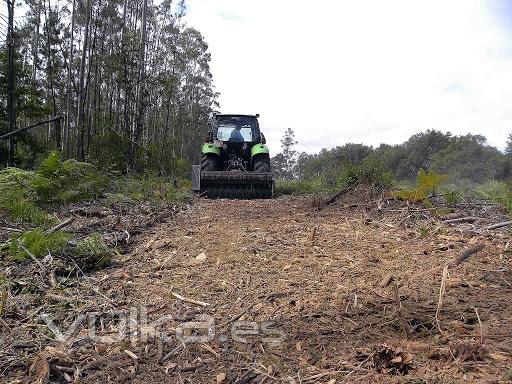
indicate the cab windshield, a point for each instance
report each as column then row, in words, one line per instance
column 236, row 128
column 229, row 133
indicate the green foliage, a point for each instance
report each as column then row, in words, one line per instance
column 507, row 376
column 38, row 243
column 508, row 149
column 368, row 171
column 429, row 181
column 17, row 198
column 424, row 232
column 62, row 182
column 332, row 180
column 500, row 193
column 426, row 183
column 283, row 164
column 25, row 193
column 411, row 195
column 148, row 188
column 312, row 165
column 182, row 169
column 92, row 253
column 468, row 159
column 299, row 187
column 453, row 197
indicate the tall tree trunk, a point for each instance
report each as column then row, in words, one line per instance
column 68, row 86
column 57, row 131
column 141, row 102
column 35, row 42
column 81, row 90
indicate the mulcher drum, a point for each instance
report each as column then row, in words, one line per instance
column 237, row 185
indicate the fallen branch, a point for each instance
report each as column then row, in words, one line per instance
column 451, row 264
column 235, row 318
column 455, row 215
column 465, row 255
column 442, row 290
column 6, row 326
column 337, row 195
column 13, row 133
column 13, row 229
column 467, row 219
column 31, row 255
column 480, row 325
column 386, row 280
column 189, row 300
column 3, row 300
column 499, row 225
column 312, row 235
column 444, row 277
column 60, row 225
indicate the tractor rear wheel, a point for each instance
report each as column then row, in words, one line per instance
column 262, row 163
column 210, row 163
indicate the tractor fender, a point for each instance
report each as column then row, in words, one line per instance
column 210, row 148
column 259, row 149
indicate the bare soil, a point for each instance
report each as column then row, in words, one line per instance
column 305, row 284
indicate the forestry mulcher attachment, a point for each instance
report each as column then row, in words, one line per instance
column 235, row 160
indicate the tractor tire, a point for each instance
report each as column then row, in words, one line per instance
column 210, row 163
column 262, row 163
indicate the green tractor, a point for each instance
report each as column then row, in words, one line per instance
column 235, row 160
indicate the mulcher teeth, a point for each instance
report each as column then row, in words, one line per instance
column 230, row 191
column 237, row 185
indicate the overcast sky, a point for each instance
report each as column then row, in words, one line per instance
column 363, row 71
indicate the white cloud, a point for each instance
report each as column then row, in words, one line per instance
column 367, row 71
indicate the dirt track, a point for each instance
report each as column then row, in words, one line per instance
column 263, row 261
column 323, row 291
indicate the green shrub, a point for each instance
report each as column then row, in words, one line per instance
column 38, row 243
column 17, row 197
column 63, row 182
column 149, row 188
column 426, row 183
column 500, row 193
column 453, row 197
column 368, row 171
column 92, row 253
column 299, row 187
column 332, row 180
column 182, row 169
column 25, row 193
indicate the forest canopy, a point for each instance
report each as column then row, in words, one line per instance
column 130, row 79
column 466, row 159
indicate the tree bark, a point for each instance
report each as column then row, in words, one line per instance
column 81, row 90
column 67, row 129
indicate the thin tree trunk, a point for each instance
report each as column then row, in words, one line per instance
column 141, row 102
column 50, row 74
column 68, row 86
column 81, row 90
column 35, row 44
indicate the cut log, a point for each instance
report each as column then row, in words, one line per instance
column 60, row 225
column 189, row 300
column 386, row 280
column 499, row 225
column 467, row 219
column 465, row 255
column 455, row 215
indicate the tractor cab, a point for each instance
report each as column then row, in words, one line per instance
column 236, row 128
